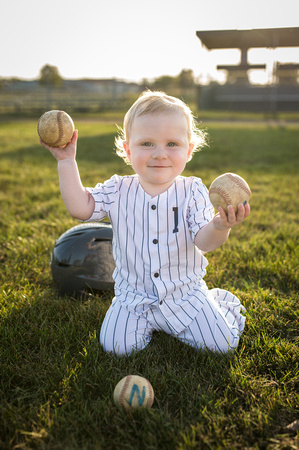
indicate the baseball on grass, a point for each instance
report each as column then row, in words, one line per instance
column 229, row 189
column 133, row 392
column 55, row 128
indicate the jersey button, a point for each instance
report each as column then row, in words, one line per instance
column 155, row 241
column 156, row 275
column 161, row 302
column 154, row 207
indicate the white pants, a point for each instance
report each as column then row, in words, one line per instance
column 217, row 326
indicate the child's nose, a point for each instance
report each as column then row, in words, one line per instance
column 160, row 152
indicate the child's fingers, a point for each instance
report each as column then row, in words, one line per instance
column 230, row 219
column 67, row 151
column 74, row 137
column 222, row 214
column 73, row 141
column 242, row 212
column 44, row 144
column 231, row 215
column 247, row 210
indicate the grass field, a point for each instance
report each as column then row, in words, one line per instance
column 56, row 381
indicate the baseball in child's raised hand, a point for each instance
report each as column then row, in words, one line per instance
column 224, row 221
column 66, row 152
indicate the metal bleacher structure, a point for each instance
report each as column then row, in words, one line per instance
column 282, row 94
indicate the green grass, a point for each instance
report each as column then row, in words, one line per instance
column 56, row 383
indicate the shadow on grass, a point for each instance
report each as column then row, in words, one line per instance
column 95, row 148
column 57, row 380
column 57, row 383
column 239, row 150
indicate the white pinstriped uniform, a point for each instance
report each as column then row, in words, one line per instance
column 159, row 271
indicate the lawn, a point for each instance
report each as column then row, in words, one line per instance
column 56, row 381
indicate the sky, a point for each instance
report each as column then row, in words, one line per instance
column 132, row 39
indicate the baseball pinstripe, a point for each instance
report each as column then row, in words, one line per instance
column 159, row 271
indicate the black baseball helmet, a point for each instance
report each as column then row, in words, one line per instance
column 82, row 260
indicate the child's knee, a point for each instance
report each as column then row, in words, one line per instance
column 112, row 343
column 227, row 341
column 123, row 347
column 116, row 348
column 123, row 332
column 219, row 341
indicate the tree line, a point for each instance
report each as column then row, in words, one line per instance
column 50, row 76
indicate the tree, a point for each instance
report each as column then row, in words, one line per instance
column 182, row 82
column 165, row 82
column 50, row 76
column 186, row 79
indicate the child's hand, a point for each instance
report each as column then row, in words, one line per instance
column 223, row 221
column 66, row 152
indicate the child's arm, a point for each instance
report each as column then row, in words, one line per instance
column 216, row 232
column 78, row 202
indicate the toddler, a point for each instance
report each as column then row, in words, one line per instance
column 162, row 224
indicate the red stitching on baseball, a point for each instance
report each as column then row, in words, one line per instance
column 150, row 394
column 239, row 183
column 60, row 128
column 123, row 391
column 222, row 193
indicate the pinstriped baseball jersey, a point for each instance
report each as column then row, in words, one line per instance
column 153, row 245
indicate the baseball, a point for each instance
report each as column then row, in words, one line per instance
column 133, row 392
column 55, row 128
column 229, row 189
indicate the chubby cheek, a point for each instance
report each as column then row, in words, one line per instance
column 138, row 162
column 180, row 163
column 136, row 159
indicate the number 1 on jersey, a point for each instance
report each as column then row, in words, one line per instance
column 175, row 210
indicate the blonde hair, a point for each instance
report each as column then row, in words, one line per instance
column 158, row 102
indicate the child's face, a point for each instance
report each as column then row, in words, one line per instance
column 158, row 149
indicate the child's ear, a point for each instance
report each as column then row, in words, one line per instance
column 189, row 154
column 127, row 149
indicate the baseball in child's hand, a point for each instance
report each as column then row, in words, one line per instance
column 229, row 189
column 55, row 128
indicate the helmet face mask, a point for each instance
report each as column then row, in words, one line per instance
column 82, row 259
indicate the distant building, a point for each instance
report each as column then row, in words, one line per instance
column 238, row 93
column 99, row 86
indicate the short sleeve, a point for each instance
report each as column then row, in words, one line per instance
column 200, row 208
column 105, row 195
